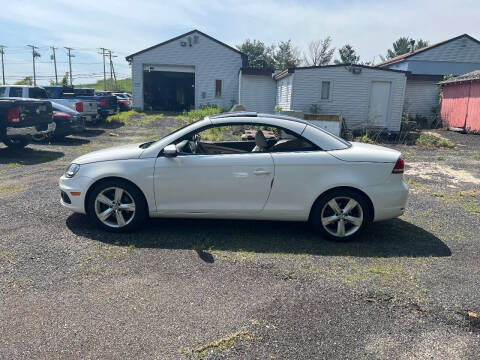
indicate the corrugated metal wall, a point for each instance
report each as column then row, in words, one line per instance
column 461, row 106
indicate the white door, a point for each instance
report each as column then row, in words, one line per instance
column 379, row 103
column 224, row 183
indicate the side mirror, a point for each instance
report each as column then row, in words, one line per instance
column 170, row 150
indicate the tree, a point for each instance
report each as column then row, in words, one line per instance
column 348, row 55
column 286, row 55
column 319, row 52
column 403, row 46
column 259, row 55
column 64, row 81
column 27, row 80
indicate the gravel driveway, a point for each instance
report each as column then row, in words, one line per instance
column 409, row 288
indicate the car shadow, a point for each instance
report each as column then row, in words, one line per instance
column 28, row 156
column 70, row 141
column 92, row 132
column 391, row 238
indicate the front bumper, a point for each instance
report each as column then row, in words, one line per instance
column 78, row 185
column 30, row 130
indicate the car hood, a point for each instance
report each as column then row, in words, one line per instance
column 125, row 152
column 366, row 153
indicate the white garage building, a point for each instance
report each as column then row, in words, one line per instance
column 195, row 69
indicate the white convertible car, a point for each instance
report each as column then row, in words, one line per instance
column 298, row 172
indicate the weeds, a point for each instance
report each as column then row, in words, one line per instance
column 429, row 141
column 11, row 189
column 197, row 114
column 365, row 139
column 476, row 156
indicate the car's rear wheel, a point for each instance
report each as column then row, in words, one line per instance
column 16, row 143
column 116, row 205
column 340, row 215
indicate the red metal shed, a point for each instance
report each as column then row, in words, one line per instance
column 461, row 102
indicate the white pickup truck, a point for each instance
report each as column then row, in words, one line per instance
column 86, row 108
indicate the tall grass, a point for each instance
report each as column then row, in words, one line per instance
column 197, row 114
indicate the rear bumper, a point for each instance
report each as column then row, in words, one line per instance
column 389, row 200
column 90, row 117
column 30, row 130
column 67, row 127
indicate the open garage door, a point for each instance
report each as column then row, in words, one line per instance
column 172, row 90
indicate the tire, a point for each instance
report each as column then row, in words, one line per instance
column 39, row 137
column 113, row 199
column 340, row 222
column 16, row 143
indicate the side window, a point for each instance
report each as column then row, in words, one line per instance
column 218, row 88
column 325, row 90
column 242, row 138
column 37, row 93
column 15, row 92
column 2, row 91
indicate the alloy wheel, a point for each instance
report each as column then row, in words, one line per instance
column 342, row 216
column 115, row 207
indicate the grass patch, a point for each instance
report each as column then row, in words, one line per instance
column 213, row 348
column 197, row 114
column 476, row 157
column 416, row 184
column 11, row 189
column 13, row 165
column 439, row 157
column 429, row 141
column 132, row 117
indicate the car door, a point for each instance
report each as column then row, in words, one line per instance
column 213, row 184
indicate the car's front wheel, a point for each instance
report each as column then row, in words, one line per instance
column 116, row 205
column 340, row 215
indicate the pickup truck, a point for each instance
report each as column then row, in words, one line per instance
column 87, row 109
column 107, row 105
column 20, row 119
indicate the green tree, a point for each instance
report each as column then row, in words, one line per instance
column 64, row 81
column 286, row 55
column 319, row 52
column 348, row 55
column 259, row 55
column 27, row 80
column 403, row 46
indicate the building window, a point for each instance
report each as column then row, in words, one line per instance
column 325, row 90
column 218, row 88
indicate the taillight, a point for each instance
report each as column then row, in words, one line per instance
column 79, row 106
column 13, row 115
column 399, row 166
column 103, row 102
column 123, row 101
column 61, row 115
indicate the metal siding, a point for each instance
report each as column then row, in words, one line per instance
column 211, row 60
column 258, row 93
column 454, row 105
column 473, row 115
column 350, row 95
column 421, row 96
column 441, row 67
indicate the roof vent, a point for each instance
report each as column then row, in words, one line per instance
column 412, row 45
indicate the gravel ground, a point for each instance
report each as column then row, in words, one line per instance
column 408, row 288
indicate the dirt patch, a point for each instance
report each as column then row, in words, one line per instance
column 429, row 171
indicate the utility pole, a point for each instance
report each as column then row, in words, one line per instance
column 103, row 53
column 55, row 63
column 34, row 55
column 114, row 76
column 2, row 52
column 111, row 69
column 70, row 63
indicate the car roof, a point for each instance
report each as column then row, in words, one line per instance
column 259, row 115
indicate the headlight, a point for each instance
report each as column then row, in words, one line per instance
column 72, row 170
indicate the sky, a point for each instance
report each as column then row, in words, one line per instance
column 126, row 27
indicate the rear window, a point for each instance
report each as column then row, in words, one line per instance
column 37, row 93
column 15, row 92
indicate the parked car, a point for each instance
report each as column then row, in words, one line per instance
column 307, row 175
column 20, row 119
column 67, row 122
column 124, row 102
column 107, row 105
column 87, row 109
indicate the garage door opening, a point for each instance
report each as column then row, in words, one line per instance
column 168, row 90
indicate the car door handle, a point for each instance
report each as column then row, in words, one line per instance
column 262, row 172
